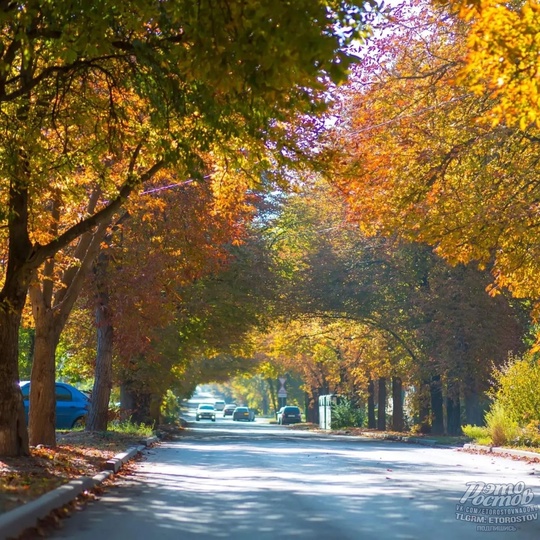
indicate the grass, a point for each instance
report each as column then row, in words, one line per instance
column 131, row 428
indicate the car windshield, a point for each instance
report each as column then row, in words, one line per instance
column 241, row 409
column 291, row 410
column 206, row 407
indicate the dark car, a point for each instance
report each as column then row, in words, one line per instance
column 229, row 409
column 205, row 411
column 243, row 413
column 289, row 415
column 71, row 405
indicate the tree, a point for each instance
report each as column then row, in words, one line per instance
column 51, row 308
column 502, row 58
column 171, row 237
column 212, row 75
column 427, row 166
column 358, row 309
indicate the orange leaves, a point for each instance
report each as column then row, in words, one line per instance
column 178, row 232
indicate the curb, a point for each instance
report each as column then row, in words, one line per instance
column 426, row 442
column 18, row 520
column 500, row 451
column 114, row 464
column 495, row 450
column 432, row 443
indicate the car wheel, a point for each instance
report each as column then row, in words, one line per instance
column 79, row 423
column 197, row 418
column 213, row 419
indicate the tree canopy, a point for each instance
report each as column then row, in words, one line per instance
column 104, row 95
column 427, row 163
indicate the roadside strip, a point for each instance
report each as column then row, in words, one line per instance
column 16, row 521
column 501, row 451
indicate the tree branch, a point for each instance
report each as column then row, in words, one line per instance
column 41, row 253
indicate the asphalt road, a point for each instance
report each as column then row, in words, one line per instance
column 245, row 481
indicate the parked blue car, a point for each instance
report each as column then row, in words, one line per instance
column 71, row 405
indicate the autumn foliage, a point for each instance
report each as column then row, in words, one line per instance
column 424, row 160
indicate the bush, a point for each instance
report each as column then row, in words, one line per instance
column 479, row 434
column 517, row 392
column 170, row 408
column 502, row 428
column 529, row 435
column 346, row 414
column 514, row 416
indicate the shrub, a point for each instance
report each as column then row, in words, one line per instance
column 517, row 392
column 170, row 408
column 502, row 428
column 479, row 434
column 529, row 435
column 346, row 414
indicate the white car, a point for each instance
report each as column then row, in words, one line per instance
column 219, row 405
column 205, row 411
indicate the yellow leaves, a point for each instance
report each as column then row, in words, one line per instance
column 504, row 59
column 425, row 163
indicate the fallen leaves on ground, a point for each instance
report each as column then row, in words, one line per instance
column 78, row 453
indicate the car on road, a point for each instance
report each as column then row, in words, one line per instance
column 219, row 405
column 289, row 415
column 205, row 411
column 72, row 405
column 243, row 413
column 229, row 409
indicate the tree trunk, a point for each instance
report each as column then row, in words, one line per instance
column 264, row 404
column 437, row 423
column 453, row 407
column 397, row 404
column 13, row 431
column 312, row 408
column 424, row 399
column 155, row 409
column 101, row 393
column 127, row 401
column 141, row 412
column 98, row 416
column 381, row 408
column 475, row 408
column 273, row 393
column 42, row 414
column 372, row 422
column 51, row 311
column 453, row 414
column 135, row 403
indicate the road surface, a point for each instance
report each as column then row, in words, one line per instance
column 245, row 481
